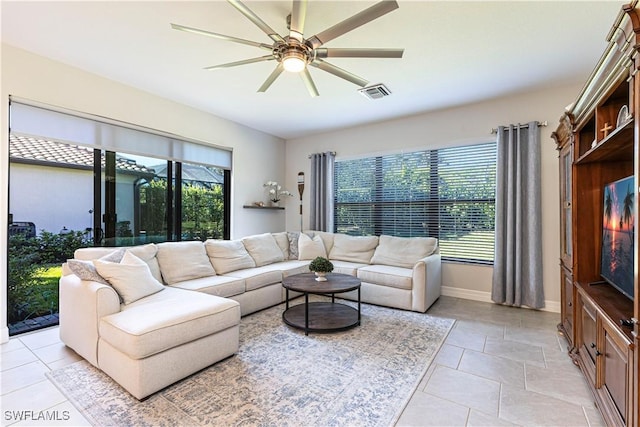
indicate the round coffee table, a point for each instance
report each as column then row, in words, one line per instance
column 321, row 316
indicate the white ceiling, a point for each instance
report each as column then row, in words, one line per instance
column 455, row 53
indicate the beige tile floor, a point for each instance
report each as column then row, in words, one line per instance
column 499, row 366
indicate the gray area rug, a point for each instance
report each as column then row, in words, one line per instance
column 280, row 377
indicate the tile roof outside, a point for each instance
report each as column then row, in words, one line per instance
column 194, row 173
column 58, row 154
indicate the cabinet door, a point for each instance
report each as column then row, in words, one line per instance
column 567, row 304
column 589, row 349
column 615, row 371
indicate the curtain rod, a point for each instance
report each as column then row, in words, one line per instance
column 330, row 152
column 541, row 124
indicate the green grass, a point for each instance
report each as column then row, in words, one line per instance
column 51, row 273
column 478, row 245
column 44, row 299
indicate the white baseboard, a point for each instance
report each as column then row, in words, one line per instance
column 551, row 306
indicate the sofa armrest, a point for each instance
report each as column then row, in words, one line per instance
column 427, row 281
column 82, row 305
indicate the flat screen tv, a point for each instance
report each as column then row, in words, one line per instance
column 618, row 225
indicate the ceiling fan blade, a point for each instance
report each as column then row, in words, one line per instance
column 272, row 78
column 358, row 53
column 256, row 20
column 221, row 36
column 337, row 71
column 377, row 10
column 308, row 82
column 243, row 62
column 298, row 15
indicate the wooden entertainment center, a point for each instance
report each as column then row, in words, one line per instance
column 598, row 143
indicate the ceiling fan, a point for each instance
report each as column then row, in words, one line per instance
column 294, row 52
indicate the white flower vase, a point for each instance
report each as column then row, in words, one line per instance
column 274, row 204
column 321, row 276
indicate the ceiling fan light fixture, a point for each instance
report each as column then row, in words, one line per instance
column 294, row 61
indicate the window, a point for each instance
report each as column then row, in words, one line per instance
column 448, row 193
column 80, row 180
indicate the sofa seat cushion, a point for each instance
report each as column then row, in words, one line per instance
column 385, row 275
column 259, row 277
column 289, row 268
column 166, row 320
column 346, row 267
column 221, row 286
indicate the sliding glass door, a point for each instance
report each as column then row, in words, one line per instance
column 141, row 200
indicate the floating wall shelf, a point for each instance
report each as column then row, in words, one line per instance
column 263, row 207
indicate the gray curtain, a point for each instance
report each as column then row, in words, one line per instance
column 517, row 268
column 321, row 206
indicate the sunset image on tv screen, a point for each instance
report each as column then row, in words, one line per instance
column 618, row 225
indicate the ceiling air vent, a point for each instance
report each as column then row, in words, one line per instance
column 375, row 92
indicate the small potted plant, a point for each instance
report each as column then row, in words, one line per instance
column 321, row 266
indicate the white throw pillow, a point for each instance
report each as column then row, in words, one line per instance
column 180, row 261
column 403, row 251
column 131, row 278
column 309, row 248
column 263, row 248
column 353, row 248
column 148, row 253
column 85, row 269
column 228, row 255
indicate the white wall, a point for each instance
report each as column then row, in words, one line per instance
column 465, row 125
column 257, row 157
column 35, row 196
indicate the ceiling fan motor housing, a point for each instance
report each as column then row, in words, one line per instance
column 292, row 49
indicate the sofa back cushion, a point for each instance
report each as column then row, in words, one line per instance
column 131, row 277
column 89, row 254
column 228, row 255
column 309, row 248
column 353, row 248
column 180, row 261
column 282, row 239
column 147, row 253
column 263, row 248
column 403, row 251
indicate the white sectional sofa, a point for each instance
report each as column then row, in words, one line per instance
column 151, row 315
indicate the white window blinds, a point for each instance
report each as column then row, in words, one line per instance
column 447, row 193
column 105, row 134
